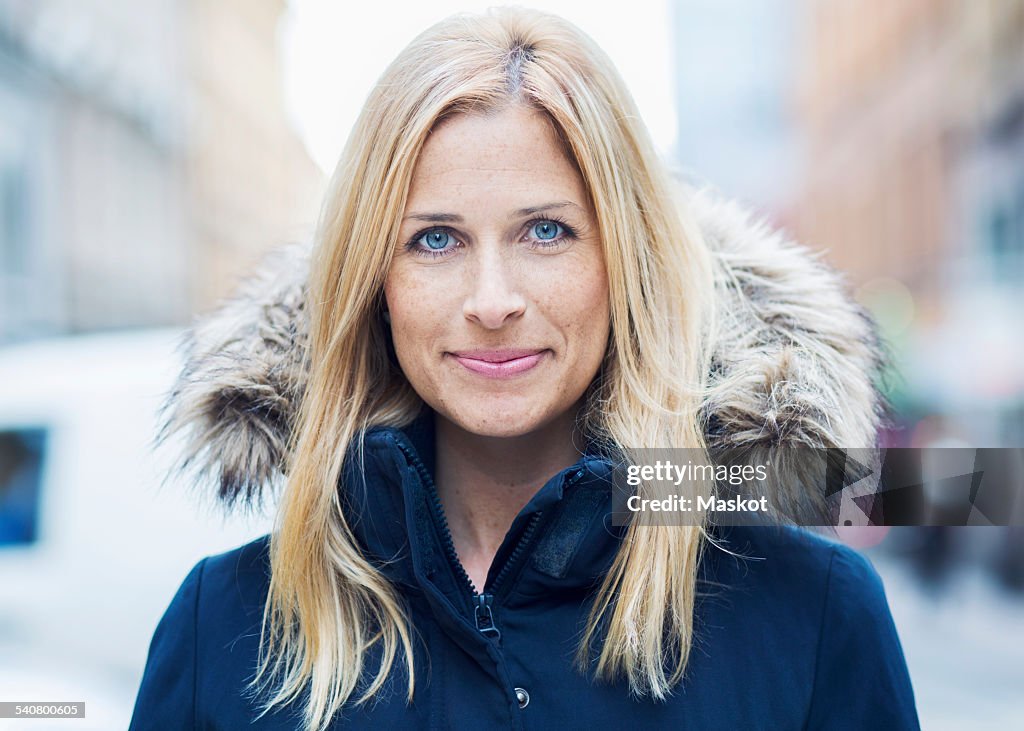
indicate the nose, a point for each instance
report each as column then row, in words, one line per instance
column 494, row 295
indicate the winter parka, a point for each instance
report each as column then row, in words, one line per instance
column 791, row 629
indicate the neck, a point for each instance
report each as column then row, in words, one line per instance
column 484, row 482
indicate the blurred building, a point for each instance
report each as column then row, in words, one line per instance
column 912, row 116
column 733, row 63
column 145, row 159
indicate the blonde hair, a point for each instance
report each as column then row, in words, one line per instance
column 327, row 604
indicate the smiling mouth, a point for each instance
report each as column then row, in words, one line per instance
column 499, row 363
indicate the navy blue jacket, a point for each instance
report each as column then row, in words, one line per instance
column 793, row 634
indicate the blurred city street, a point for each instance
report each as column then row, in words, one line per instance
column 964, row 648
column 151, row 153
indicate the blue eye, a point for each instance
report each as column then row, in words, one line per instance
column 436, row 240
column 546, row 230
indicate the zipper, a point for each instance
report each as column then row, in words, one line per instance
column 484, row 618
column 438, row 510
column 481, row 603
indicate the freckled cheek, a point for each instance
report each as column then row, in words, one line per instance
column 577, row 303
column 421, row 310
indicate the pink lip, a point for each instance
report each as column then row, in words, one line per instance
column 499, row 363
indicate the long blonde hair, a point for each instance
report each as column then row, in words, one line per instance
column 327, row 604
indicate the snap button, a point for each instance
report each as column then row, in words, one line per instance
column 522, row 697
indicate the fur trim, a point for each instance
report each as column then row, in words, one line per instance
column 245, row 370
column 794, row 361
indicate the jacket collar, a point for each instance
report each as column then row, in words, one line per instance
column 561, row 540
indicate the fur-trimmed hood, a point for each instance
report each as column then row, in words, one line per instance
column 795, row 362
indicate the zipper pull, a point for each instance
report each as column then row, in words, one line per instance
column 484, row 617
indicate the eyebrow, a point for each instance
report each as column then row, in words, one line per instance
column 456, row 218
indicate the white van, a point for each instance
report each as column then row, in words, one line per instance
column 87, row 570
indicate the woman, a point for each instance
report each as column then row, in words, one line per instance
column 508, row 295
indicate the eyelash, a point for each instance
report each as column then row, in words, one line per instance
column 568, row 234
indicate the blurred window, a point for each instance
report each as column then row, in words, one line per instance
column 21, row 476
column 1011, row 424
column 12, row 214
column 1004, row 235
column 1018, row 216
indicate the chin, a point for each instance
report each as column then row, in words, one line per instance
column 491, row 420
column 491, row 426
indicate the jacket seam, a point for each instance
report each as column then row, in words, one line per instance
column 195, row 647
column 821, row 635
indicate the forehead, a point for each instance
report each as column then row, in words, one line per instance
column 507, row 152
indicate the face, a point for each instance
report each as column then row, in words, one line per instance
column 497, row 292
